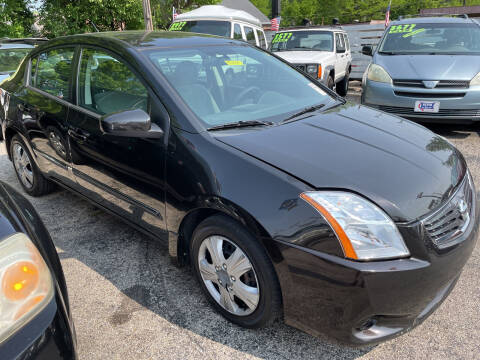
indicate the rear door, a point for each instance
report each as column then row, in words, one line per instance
column 43, row 107
column 124, row 174
column 341, row 57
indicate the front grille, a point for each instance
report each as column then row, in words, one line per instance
column 423, row 95
column 458, row 84
column 404, row 111
column 301, row 67
column 446, row 226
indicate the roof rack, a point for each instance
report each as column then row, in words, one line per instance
column 313, row 27
column 463, row 16
column 30, row 41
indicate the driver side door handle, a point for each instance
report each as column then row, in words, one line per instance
column 78, row 136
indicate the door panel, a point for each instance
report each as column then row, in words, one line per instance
column 341, row 63
column 124, row 174
column 43, row 108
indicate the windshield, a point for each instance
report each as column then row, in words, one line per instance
column 447, row 38
column 10, row 59
column 303, row 40
column 227, row 84
column 220, row 28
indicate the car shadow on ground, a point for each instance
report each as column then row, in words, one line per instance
column 140, row 268
column 455, row 131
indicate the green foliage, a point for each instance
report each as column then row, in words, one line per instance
column 16, row 19
column 323, row 11
column 65, row 17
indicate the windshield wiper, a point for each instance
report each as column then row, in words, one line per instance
column 240, row 124
column 304, row 111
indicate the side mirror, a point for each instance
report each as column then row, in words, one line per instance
column 131, row 123
column 367, row 50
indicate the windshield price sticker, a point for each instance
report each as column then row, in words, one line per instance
column 281, row 37
column 233, row 62
column 407, row 30
column 178, row 26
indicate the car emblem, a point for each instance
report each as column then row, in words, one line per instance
column 430, row 84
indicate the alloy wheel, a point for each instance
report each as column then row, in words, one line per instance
column 228, row 275
column 23, row 166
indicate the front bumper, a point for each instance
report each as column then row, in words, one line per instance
column 455, row 104
column 50, row 335
column 369, row 302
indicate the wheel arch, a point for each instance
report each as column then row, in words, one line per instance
column 179, row 241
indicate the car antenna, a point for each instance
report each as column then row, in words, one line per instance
column 93, row 24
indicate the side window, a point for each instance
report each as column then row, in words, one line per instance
column 54, row 71
column 33, row 72
column 347, row 44
column 261, row 39
column 339, row 42
column 107, row 85
column 237, row 32
column 250, row 35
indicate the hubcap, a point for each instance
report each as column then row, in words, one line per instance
column 228, row 275
column 22, row 165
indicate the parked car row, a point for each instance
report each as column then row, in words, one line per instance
column 254, row 173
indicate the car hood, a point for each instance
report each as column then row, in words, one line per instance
column 303, row 57
column 404, row 168
column 430, row 67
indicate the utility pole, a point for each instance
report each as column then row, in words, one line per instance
column 147, row 15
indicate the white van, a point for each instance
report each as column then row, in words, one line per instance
column 222, row 21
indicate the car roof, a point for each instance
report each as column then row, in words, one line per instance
column 218, row 12
column 430, row 20
column 314, row 28
column 16, row 46
column 142, row 39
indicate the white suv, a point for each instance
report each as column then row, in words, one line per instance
column 322, row 52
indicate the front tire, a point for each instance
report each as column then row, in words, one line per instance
column 330, row 82
column 30, row 177
column 342, row 86
column 235, row 272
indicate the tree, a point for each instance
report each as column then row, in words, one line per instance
column 16, row 19
column 65, row 17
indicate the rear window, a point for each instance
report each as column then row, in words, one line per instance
column 219, row 28
column 10, row 59
column 250, row 35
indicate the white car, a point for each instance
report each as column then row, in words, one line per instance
column 322, row 52
column 222, row 21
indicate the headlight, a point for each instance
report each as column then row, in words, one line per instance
column 378, row 73
column 315, row 70
column 26, row 283
column 475, row 80
column 365, row 232
column 312, row 69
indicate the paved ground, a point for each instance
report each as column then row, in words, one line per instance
column 129, row 302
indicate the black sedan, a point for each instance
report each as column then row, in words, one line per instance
column 284, row 198
column 34, row 312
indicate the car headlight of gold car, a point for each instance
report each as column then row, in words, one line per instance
column 26, row 285
column 364, row 230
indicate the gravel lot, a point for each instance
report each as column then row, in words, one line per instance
column 129, row 302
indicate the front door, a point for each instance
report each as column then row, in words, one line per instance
column 124, row 174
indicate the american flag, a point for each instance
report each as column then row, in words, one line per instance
column 275, row 23
column 174, row 13
column 387, row 14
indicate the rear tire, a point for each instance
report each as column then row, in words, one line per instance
column 28, row 174
column 231, row 266
column 342, row 86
